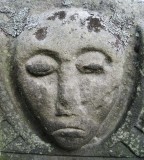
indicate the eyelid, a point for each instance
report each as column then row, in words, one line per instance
column 94, row 68
column 41, row 65
column 92, row 62
column 91, row 68
column 109, row 59
column 38, row 70
column 48, row 53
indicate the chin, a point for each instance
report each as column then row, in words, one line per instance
column 71, row 138
column 69, row 133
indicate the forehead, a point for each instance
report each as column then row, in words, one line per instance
column 68, row 31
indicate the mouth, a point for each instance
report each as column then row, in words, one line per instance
column 69, row 133
column 70, row 138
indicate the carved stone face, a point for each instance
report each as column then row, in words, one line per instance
column 70, row 75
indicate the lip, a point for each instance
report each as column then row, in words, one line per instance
column 69, row 133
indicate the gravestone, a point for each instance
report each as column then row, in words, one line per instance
column 71, row 79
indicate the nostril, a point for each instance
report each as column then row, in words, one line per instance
column 64, row 110
column 64, row 113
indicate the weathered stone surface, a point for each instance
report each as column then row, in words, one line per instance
column 71, row 78
column 38, row 157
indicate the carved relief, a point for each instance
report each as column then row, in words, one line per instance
column 70, row 83
column 72, row 80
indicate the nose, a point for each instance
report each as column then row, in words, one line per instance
column 68, row 102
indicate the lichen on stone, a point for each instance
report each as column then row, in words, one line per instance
column 67, row 3
column 18, row 20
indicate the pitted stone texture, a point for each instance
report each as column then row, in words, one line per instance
column 71, row 77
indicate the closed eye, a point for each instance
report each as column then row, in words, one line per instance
column 92, row 62
column 40, row 69
column 91, row 68
column 41, row 65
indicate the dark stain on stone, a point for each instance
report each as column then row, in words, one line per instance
column 51, row 18
column 73, row 17
column 94, row 24
column 101, row 2
column 137, row 47
column 117, row 43
column 118, row 40
column 118, row 36
column 60, row 15
column 41, row 33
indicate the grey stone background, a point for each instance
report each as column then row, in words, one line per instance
column 127, row 141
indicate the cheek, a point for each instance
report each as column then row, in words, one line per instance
column 94, row 88
column 99, row 93
column 40, row 93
